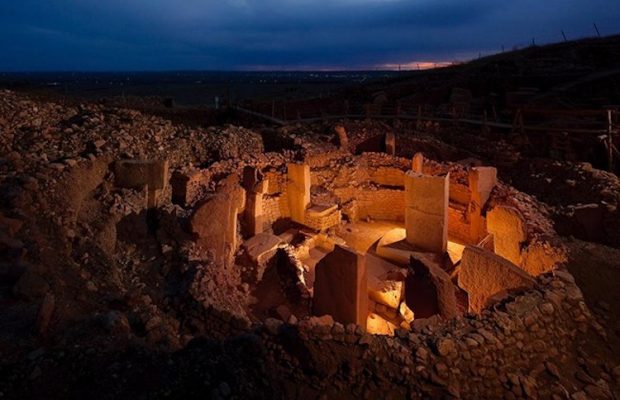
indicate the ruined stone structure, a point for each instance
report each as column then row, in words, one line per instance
column 386, row 275
column 311, row 272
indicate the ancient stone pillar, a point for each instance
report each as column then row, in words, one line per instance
column 429, row 288
column 340, row 286
column 426, row 211
column 417, row 163
column 255, row 187
column 484, row 274
column 215, row 221
column 298, row 190
column 482, row 180
column 509, row 233
column 390, row 143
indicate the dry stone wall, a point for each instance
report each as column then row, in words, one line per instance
column 501, row 352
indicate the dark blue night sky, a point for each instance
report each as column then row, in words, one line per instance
column 118, row 35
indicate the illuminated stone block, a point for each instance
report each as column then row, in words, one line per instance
column 340, row 286
column 426, row 211
column 482, row 180
column 377, row 325
column 509, row 233
column 298, row 190
column 260, row 249
column 215, row 221
column 405, row 312
column 387, row 292
column 321, row 218
column 484, row 274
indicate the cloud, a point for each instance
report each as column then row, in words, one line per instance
column 240, row 34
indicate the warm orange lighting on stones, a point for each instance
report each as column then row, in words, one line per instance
column 378, row 241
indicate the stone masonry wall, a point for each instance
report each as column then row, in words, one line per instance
column 501, row 352
column 275, row 207
column 381, row 204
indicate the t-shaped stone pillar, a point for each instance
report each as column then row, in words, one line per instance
column 426, row 211
column 298, row 190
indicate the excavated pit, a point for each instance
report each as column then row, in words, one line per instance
column 398, row 242
column 395, row 276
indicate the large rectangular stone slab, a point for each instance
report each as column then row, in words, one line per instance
column 321, row 218
column 482, row 180
column 426, row 211
column 509, row 232
column 484, row 274
column 340, row 286
column 428, row 276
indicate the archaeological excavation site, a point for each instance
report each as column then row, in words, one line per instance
column 377, row 243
